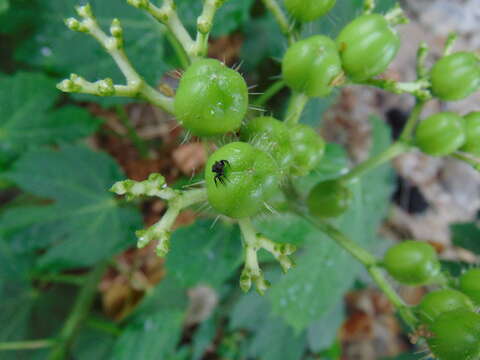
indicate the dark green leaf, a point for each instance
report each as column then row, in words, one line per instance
column 467, row 236
column 204, row 253
column 272, row 339
column 27, row 119
column 325, row 271
column 150, row 338
column 4, row 5
column 323, row 333
column 204, row 337
column 85, row 224
column 93, row 344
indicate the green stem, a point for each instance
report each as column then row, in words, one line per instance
column 412, row 121
column 469, row 159
column 204, row 25
column 137, row 141
column 270, row 92
column 391, row 152
column 281, row 19
column 27, row 345
column 102, row 325
column 371, row 265
column 422, row 53
column 79, row 312
column 368, row 6
column 295, row 108
column 450, row 43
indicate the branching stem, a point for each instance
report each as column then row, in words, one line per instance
column 204, row 26
column 136, row 86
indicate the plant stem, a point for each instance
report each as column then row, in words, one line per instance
column 295, row 108
column 368, row 6
column 391, row 152
column 370, row 263
column 27, row 345
column 270, row 92
column 412, row 121
column 137, row 141
column 79, row 312
column 204, row 26
column 469, row 159
column 450, row 43
column 281, row 19
column 105, row 326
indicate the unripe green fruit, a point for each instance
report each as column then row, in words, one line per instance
column 472, row 132
column 307, row 148
column 470, row 284
column 412, row 263
column 211, row 98
column 441, row 134
column 250, row 178
column 456, row 336
column 456, row 76
column 308, row 10
column 310, row 66
column 329, row 198
column 270, row 135
column 442, row 301
column 367, row 46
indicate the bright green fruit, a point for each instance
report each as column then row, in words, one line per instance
column 472, row 132
column 441, row 134
column 308, row 10
column 270, row 135
column 329, row 198
column 310, row 66
column 211, row 98
column 307, row 148
column 412, row 263
column 367, row 46
column 456, row 76
column 244, row 183
column 442, row 301
column 456, row 336
column 470, row 284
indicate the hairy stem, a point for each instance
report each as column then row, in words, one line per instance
column 297, row 104
column 27, row 345
column 80, row 310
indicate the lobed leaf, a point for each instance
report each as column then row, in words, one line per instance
column 84, row 224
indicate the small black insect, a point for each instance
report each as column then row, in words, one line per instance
column 219, row 169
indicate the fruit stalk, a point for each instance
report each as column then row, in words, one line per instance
column 281, row 19
column 204, row 26
column 297, row 104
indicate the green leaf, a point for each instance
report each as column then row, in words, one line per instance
column 85, row 224
column 325, row 271
column 4, row 5
column 263, row 40
column 467, row 236
column 272, row 338
column 323, row 333
column 27, row 119
column 93, row 344
column 204, row 253
column 204, row 337
column 150, row 338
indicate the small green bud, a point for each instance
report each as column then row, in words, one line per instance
column 163, row 246
column 116, row 28
column 140, row 4
column 105, row 87
column 85, row 11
